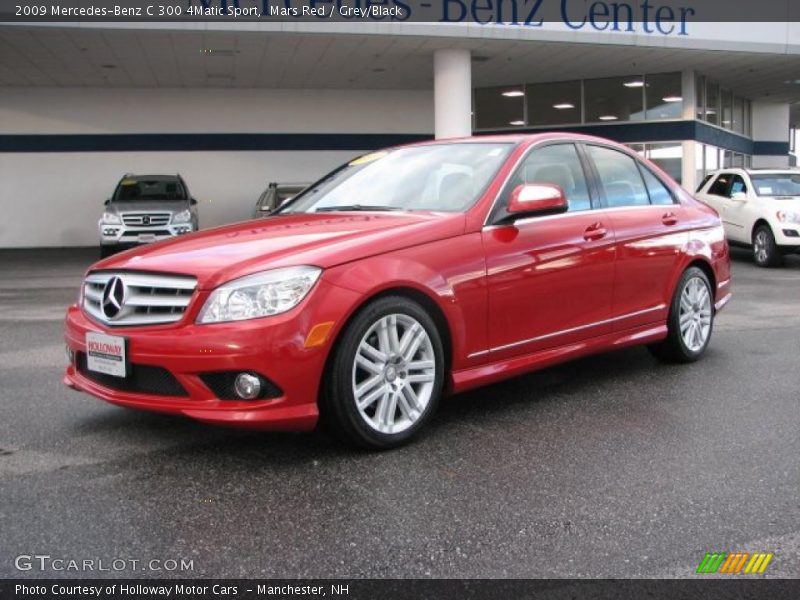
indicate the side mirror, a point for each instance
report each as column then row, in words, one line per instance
column 537, row 199
column 107, row 202
column 739, row 197
column 192, row 201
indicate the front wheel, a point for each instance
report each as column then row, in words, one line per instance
column 765, row 251
column 386, row 375
column 690, row 321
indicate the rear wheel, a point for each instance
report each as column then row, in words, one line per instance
column 386, row 375
column 690, row 321
column 765, row 251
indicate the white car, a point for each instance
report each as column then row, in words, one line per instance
column 759, row 208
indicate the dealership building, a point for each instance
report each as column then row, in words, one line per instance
column 234, row 104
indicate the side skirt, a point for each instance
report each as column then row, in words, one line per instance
column 497, row 371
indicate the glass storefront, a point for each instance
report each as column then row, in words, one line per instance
column 614, row 99
column 722, row 107
column 646, row 98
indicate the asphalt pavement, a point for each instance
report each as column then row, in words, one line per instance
column 610, row 466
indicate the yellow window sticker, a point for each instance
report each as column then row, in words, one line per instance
column 367, row 158
column 128, row 182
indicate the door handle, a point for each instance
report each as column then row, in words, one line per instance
column 669, row 219
column 594, row 232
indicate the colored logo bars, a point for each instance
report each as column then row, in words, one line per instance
column 734, row 562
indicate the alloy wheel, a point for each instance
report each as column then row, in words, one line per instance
column 695, row 314
column 393, row 373
column 760, row 246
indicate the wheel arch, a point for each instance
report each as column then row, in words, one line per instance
column 416, row 295
column 759, row 222
column 706, row 268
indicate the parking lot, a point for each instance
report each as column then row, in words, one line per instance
column 611, row 466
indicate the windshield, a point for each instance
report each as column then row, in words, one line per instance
column 777, row 184
column 130, row 190
column 438, row 177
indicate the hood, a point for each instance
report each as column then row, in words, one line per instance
column 148, row 206
column 325, row 240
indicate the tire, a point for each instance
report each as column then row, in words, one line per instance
column 692, row 304
column 371, row 395
column 765, row 251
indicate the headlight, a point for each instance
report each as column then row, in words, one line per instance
column 260, row 295
column 787, row 216
column 182, row 217
column 111, row 218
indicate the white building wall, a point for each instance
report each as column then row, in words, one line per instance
column 55, row 199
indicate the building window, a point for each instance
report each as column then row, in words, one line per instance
column 700, row 97
column 500, row 107
column 553, row 103
column 614, row 99
column 727, row 109
column 712, row 103
column 723, row 108
column 664, row 96
column 738, row 114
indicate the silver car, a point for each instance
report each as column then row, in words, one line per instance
column 275, row 195
column 144, row 209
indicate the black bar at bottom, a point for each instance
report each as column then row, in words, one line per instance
column 399, row 589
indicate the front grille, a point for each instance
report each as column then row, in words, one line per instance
column 142, row 379
column 146, row 219
column 145, row 299
column 221, row 383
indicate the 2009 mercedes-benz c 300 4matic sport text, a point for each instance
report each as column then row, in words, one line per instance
column 402, row 276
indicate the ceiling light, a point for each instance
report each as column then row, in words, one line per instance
column 634, row 84
column 516, row 123
column 672, row 98
column 608, row 118
column 563, row 106
column 513, row 93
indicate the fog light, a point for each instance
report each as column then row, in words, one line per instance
column 790, row 233
column 247, row 386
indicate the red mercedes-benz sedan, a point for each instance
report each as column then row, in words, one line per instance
column 401, row 276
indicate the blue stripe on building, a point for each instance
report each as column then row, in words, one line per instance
column 187, row 142
column 668, row 131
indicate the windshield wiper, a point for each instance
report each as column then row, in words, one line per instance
column 356, row 207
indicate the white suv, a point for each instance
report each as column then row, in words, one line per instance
column 759, row 208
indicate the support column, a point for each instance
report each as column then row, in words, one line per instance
column 452, row 93
column 771, row 134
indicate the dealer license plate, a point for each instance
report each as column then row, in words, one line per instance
column 106, row 354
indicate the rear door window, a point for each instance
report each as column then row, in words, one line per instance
column 619, row 177
column 658, row 192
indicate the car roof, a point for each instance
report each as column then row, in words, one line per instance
column 793, row 170
column 520, row 138
column 152, row 177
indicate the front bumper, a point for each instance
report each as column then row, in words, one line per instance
column 131, row 235
column 787, row 235
column 274, row 347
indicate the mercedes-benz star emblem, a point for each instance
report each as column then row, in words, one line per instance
column 113, row 297
column 146, row 220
